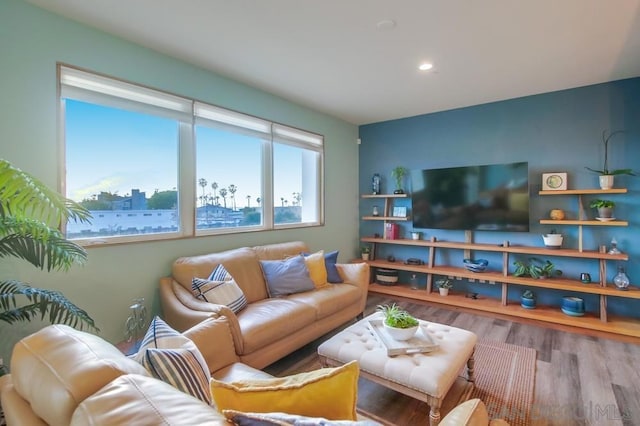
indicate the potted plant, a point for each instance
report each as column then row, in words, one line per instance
column 398, row 174
column 606, row 175
column 536, row 268
column 605, row 208
column 443, row 286
column 365, row 251
column 400, row 324
column 528, row 300
column 552, row 240
column 29, row 216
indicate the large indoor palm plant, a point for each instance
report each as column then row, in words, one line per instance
column 30, row 217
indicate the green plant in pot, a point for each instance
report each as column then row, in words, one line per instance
column 30, row 214
column 535, row 268
column 604, row 207
column 528, row 300
column 398, row 174
column 606, row 175
column 365, row 252
column 444, row 285
column 399, row 323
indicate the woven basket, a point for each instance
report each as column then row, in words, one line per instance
column 386, row 276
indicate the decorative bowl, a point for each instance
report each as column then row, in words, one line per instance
column 478, row 265
column 573, row 306
column 400, row 333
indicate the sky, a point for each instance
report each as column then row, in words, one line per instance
column 113, row 150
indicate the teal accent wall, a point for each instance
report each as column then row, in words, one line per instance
column 32, row 41
column 553, row 132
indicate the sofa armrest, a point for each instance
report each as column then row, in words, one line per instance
column 17, row 410
column 357, row 274
column 182, row 310
column 214, row 339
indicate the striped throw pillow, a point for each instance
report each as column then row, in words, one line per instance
column 219, row 273
column 181, row 369
column 220, row 292
column 159, row 352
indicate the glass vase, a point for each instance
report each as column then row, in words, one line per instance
column 621, row 280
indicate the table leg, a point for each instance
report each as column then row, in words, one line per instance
column 434, row 413
column 471, row 368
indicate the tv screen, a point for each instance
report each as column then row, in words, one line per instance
column 492, row 197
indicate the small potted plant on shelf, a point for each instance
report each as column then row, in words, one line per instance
column 605, row 209
column 536, row 268
column 400, row 324
column 528, row 300
column 365, row 251
column 607, row 176
column 443, row 286
column 398, row 174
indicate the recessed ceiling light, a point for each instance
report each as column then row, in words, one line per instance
column 386, row 24
column 425, row 66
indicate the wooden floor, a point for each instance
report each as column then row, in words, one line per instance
column 580, row 380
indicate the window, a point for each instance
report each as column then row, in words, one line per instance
column 150, row 165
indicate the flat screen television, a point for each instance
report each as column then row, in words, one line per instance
column 492, row 197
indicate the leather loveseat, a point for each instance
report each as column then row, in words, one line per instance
column 269, row 327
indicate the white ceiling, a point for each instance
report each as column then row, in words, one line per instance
column 331, row 56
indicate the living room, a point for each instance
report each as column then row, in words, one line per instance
column 554, row 132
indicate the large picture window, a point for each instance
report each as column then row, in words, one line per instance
column 151, row 165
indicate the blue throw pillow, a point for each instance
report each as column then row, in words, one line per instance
column 330, row 260
column 286, row 276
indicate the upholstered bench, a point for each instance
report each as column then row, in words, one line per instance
column 424, row 376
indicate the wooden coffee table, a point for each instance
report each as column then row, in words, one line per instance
column 424, row 376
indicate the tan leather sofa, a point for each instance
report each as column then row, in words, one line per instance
column 268, row 328
column 61, row 376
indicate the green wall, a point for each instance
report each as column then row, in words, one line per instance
column 32, row 41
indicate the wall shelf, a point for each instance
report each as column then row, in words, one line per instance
column 596, row 319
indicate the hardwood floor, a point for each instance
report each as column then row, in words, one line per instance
column 580, row 380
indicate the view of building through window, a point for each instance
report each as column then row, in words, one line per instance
column 123, row 164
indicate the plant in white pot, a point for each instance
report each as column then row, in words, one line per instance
column 444, row 285
column 606, row 178
column 400, row 324
column 604, row 207
column 365, row 252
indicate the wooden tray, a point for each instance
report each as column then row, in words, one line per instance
column 421, row 342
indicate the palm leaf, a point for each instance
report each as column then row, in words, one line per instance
column 23, row 195
column 42, row 303
column 38, row 244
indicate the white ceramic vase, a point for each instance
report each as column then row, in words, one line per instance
column 443, row 291
column 606, row 181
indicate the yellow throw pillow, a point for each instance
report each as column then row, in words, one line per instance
column 328, row 392
column 317, row 268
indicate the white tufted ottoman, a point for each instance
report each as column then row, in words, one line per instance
column 427, row 377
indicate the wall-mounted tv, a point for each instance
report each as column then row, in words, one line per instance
column 492, row 197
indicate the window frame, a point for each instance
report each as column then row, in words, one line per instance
column 199, row 112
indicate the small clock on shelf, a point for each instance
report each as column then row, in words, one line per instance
column 554, row 181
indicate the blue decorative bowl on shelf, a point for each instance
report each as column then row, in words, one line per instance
column 572, row 306
column 477, row 265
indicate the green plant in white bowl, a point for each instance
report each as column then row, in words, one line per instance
column 399, row 323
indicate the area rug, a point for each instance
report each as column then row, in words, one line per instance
column 505, row 378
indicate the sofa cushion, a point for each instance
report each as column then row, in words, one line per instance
column 287, row 276
column 327, row 392
column 242, row 264
column 50, row 369
column 329, row 300
column 280, row 251
column 220, row 292
column 137, row 400
column 284, row 419
column 317, row 269
column 330, row 261
column 177, row 362
column 270, row 320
